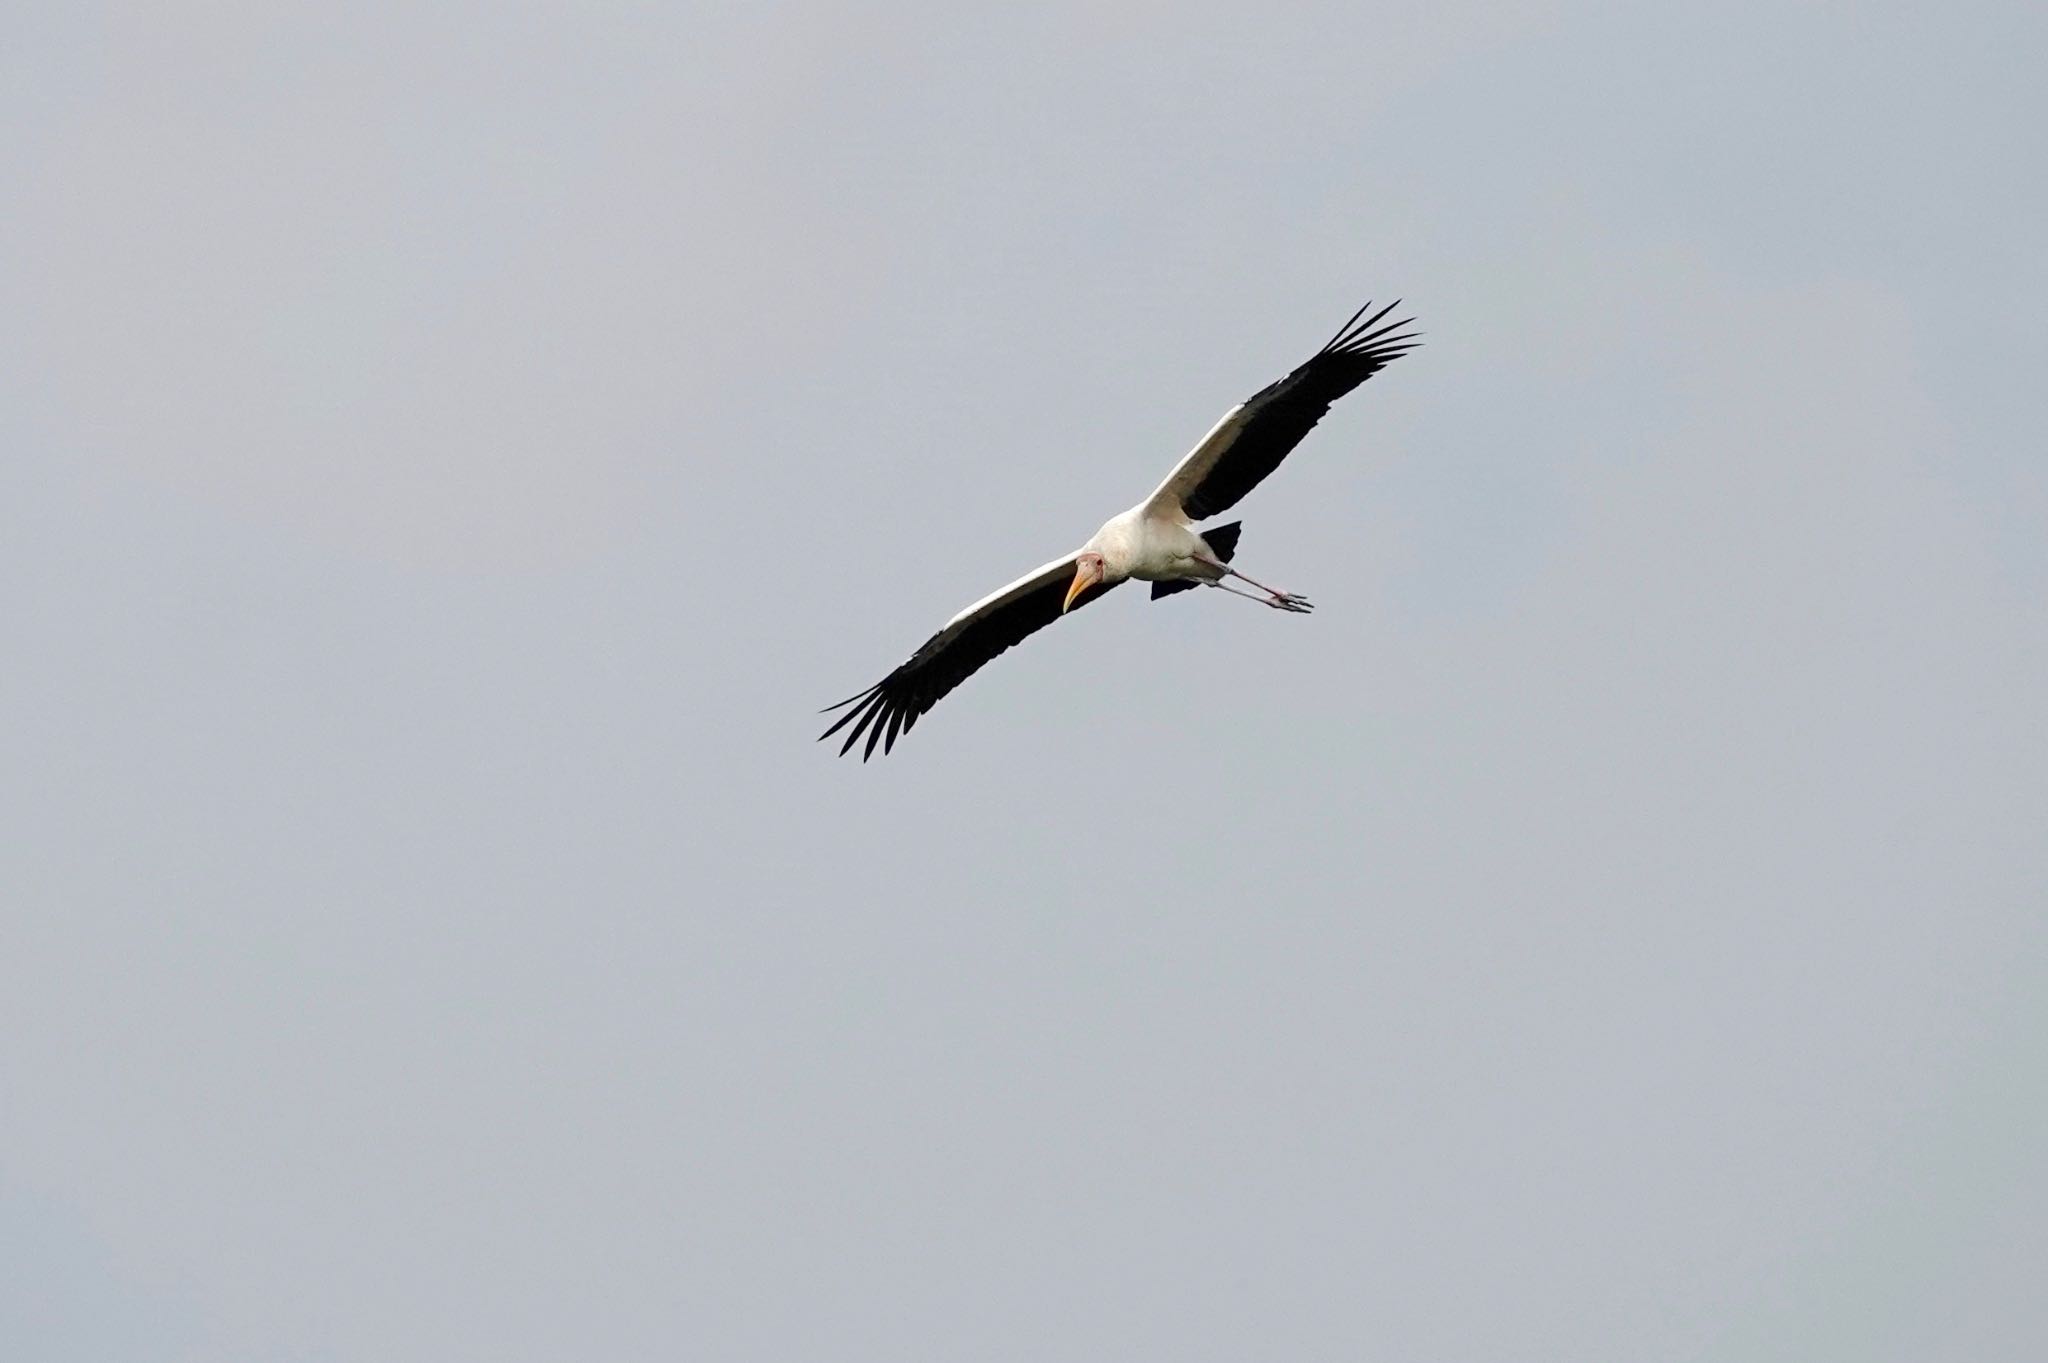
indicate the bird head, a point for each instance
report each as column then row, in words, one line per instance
column 1089, row 569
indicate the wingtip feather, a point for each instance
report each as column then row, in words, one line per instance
column 1355, row 331
column 864, row 717
column 1332, row 342
column 860, row 695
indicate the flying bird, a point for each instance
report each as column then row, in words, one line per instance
column 1155, row 541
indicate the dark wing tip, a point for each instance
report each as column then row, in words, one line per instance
column 860, row 695
column 1331, row 343
column 867, row 700
column 1354, row 331
column 864, row 715
column 879, row 714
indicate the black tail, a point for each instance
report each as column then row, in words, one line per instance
column 1222, row 542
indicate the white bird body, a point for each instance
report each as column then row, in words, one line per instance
column 1151, row 544
column 1155, row 541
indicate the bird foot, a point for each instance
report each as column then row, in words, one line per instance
column 1288, row 601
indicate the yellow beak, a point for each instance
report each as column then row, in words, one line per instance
column 1082, row 582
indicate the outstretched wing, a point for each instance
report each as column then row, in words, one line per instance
column 1254, row 436
column 977, row 634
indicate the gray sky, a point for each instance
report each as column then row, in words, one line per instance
column 452, row 451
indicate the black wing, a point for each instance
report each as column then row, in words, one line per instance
column 1256, row 435
column 970, row 639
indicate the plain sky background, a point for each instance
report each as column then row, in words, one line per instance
column 448, row 452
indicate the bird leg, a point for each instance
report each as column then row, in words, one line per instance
column 1221, row 587
column 1284, row 601
column 1297, row 604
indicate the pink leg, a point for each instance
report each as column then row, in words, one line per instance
column 1285, row 601
column 1225, row 587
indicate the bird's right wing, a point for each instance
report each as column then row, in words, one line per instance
column 970, row 639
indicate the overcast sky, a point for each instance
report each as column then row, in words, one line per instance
column 451, row 451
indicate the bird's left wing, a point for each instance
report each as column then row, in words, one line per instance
column 970, row 639
column 1254, row 436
